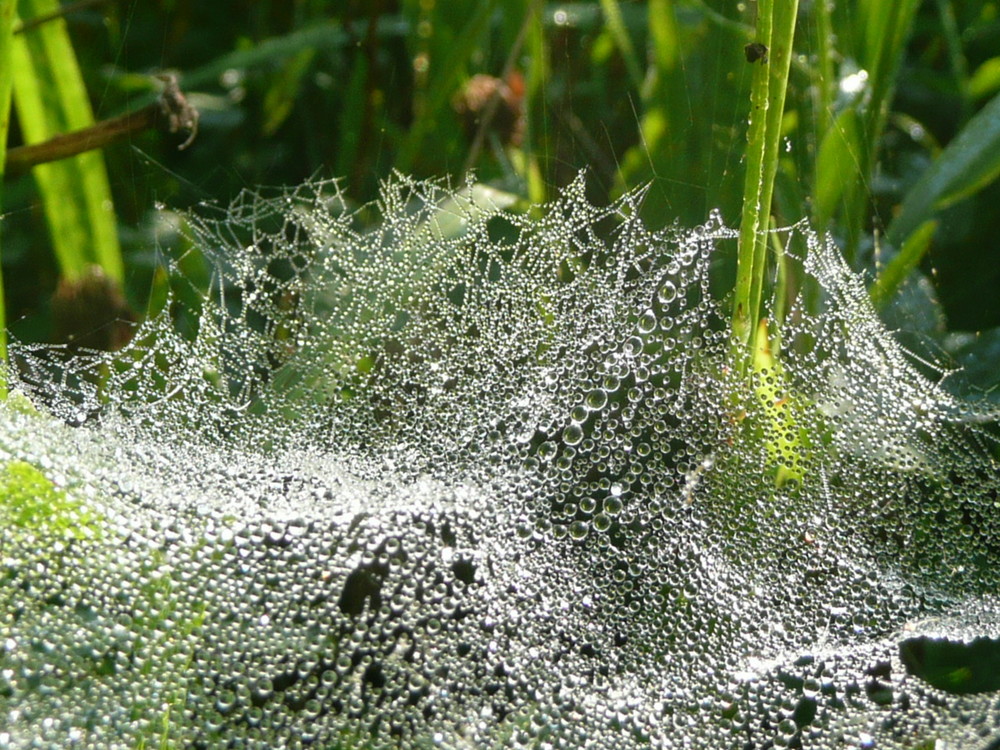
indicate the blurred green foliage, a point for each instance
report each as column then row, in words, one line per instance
column 650, row 92
column 31, row 503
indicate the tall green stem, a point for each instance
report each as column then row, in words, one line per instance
column 824, row 80
column 775, row 30
column 6, row 86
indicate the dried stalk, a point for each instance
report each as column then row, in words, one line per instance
column 171, row 111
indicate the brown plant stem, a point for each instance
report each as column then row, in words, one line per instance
column 171, row 111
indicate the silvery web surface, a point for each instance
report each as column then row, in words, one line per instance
column 476, row 478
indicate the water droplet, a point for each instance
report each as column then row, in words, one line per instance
column 667, row 292
column 573, row 434
column 596, row 399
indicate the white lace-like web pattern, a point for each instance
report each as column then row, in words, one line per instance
column 436, row 472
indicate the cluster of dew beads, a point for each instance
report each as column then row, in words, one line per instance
column 440, row 473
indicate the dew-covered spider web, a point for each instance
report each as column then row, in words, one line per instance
column 439, row 473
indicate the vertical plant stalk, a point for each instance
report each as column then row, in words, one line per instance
column 616, row 26
column 445, row 76
column 6, row 87
column 489, row 111
column 886, row 27
column 775, row 30
column 535, row 84
column 51, row 99
column 824, row 79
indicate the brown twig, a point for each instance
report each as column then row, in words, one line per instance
column 64, row 10
column 171, row 111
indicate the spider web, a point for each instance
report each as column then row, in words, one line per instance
column 467, row 477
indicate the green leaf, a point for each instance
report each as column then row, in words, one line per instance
column 969, row 163
column 51, row 99
column 952, row 666
column 899, row 268
column 444, row 80
column 30, row 502
column 616, row 25
column 284, row 90
column 837, row 165
column 319, row 36
column 986, row 80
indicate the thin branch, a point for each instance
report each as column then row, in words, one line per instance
column 171, row 111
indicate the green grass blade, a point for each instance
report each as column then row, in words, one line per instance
column 536, row 74
column 754, row 354
column 664, row 37
column 67, row 226
column 616, row 26
column 327, row 35
column 824, row 79
column 956, row 58
column 744, row 314
column 886, row 28
column 902, row 264
column 836, row 166
column 970, row 162
column 6, row 86
column 657, row 154
column 352, row 119
column 51, row 99
column 444, row 81
column 879, row 48
column 986, row 80
column 284, row 90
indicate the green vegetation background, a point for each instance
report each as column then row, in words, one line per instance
column 635, row 92
column 891, row 133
